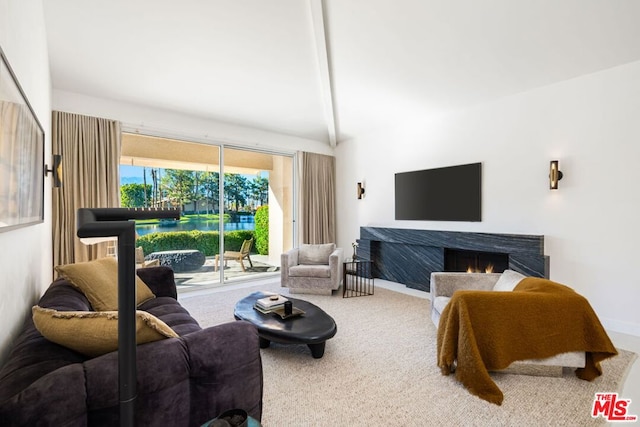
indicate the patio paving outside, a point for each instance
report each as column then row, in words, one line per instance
column 205, row 276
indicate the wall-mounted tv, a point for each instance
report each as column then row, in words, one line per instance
column 451, row 193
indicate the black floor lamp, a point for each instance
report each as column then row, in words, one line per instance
column 110, row 222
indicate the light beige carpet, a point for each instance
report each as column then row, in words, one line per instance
column 380, row 369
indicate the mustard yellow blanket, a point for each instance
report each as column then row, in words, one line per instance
column 481, row 331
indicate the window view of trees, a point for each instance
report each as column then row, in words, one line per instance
column 195, row 191
column 218, row 212
column 135, row 196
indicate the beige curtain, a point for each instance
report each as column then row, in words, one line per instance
column 317, row 198
column 90, row 149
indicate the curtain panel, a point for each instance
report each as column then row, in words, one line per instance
column 90, row 149
column 317, row 198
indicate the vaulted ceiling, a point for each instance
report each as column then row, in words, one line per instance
column 330, row 70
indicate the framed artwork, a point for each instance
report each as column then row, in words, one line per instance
column 21, row 155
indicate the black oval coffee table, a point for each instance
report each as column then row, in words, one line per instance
column 313, row 328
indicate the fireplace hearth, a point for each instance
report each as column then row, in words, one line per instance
column 409, row 256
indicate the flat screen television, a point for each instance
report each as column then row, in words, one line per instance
column 451, row 193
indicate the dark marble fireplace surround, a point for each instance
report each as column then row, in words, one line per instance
column 409, row 256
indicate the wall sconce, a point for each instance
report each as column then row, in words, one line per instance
column 360, row 190
column 555, row 174
column 56, row 170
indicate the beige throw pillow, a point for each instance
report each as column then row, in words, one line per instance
column 98, row 280
column 508, row 280
column 94, row 333
column 315, row 254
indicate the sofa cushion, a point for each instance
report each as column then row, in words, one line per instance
column 172, row 314
column 440, row 303
column 315, row 254
column 321, row 271
column 94, row 333
column 161, row 281
column 508, row 280
column 98, row 280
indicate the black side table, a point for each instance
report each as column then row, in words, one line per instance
column 357, row 278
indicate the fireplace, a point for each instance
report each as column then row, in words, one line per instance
column 409, row 256
column 475, row 261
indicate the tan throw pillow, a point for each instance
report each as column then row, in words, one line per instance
column 508, row 280
column 94, row 333
column 315, row 254
column 98, row 280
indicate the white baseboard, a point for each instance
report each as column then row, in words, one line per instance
column 621, row 326
column 399, row 287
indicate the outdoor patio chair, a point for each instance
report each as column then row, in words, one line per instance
column 236, row 256
column 141, row 262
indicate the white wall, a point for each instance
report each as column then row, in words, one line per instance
column 25, row 253
column 171, row 124
column 590, row 224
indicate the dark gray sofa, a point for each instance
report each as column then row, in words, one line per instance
column 181, row 381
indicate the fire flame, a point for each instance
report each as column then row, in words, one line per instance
column 487, row 269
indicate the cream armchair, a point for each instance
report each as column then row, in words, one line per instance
column 443, row 285
column 312, row 269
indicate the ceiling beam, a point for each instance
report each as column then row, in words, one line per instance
column 317, row 20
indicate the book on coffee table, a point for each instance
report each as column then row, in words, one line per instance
column 269, row 303
column 264, row 310
column 279, row 310
column 294, row 312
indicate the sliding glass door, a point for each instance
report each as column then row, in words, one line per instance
column 237, row 208
column 258, row 197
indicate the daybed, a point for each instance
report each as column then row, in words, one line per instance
column 445, row 284
column 482, row 331
column 182, row 381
